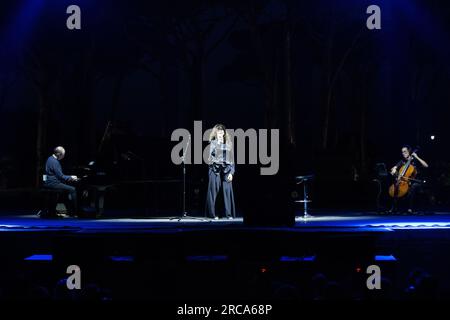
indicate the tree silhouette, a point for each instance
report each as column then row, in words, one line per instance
column 189, row 31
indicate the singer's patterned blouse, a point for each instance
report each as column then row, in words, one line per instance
column 221, row 157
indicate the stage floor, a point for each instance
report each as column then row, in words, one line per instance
column 158, row 248
column 323, row 221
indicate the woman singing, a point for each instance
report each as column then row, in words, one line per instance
column 221, row 171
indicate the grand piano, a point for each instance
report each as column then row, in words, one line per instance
column 115, row 168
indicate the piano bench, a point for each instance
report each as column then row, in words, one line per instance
column 50, row 199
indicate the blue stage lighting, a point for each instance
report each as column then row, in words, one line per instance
column 40, row 257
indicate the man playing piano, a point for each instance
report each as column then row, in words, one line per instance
column 54, row 178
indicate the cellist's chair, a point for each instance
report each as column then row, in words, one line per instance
column 306, row 199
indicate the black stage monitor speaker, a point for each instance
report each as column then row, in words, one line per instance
column 268, row 202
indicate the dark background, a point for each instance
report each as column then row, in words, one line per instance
column 344, row 97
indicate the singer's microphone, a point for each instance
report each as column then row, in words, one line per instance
column 189, row 140
column 183, row 157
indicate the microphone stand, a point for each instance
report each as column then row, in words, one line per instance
column 184, row 212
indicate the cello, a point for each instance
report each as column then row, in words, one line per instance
column 406, row 175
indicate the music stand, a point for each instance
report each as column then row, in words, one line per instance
column 380, row 179
column 184, row 212
column 305, row 201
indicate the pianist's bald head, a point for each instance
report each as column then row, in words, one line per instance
column 59, row 152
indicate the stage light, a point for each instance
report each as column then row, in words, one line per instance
column 40, row 257
column 385, row 258
column 121, row 258
column 432, row 137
